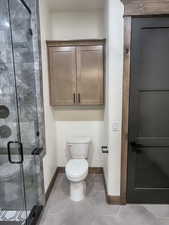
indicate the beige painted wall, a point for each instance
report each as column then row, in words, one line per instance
column 95, row 123
column 106, row 114
column 114, row 93
column 92, row 129
column 50, row 160
column 78, row 122
column 88, row 123
column 68, row 25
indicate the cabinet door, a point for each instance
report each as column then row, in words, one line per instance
column 62, row 73
column 90, row 75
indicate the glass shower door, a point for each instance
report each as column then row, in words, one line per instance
column 24, row 67
column 12, row 189
column 20, row 163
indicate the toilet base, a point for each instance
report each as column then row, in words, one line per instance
column 77, row 191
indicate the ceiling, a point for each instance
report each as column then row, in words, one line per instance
column 73, row 5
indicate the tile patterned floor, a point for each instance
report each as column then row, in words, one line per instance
column 94, row 210
column 14, row 216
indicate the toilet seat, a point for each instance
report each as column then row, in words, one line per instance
column 77, row 169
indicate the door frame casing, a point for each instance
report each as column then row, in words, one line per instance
column 125, row 104
column 133, row 8
column 125, row 108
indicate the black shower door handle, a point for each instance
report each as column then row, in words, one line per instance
column 20, row 149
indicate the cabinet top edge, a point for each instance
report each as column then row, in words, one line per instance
column 81, row 42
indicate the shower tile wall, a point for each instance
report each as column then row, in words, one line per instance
column 34, row 6
column 20, row 83
column 7, row 85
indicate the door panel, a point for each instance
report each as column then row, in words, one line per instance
column 152, row 168
column 62, row 68
column 90, row 75
column 148, row 162
column 153, row 114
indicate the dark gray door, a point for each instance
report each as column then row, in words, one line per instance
column 148, row 162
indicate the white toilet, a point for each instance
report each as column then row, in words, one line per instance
column 77, row 166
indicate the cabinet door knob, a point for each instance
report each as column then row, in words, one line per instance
column 78, row 98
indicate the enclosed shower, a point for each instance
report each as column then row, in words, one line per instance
column 21, row 112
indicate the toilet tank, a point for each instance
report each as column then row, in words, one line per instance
column 78, row 147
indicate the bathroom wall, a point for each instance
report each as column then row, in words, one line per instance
column 103, row 125
column 92, row 129
column 106, row 115
column 70, row 122
column 114, row 94
column 50, row 160
column 77, row 24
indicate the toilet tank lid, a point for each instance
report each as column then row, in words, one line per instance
column 78, row 140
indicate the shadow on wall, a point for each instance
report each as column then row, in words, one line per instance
column 91, row 153
column 79, row 115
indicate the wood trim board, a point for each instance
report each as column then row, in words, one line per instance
column 111, row 200
column 125, row 108
column 92, row 170
column 145, row 7
column 51, row 184
column 85, row 42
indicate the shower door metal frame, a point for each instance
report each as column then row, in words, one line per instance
column 18, row 138
column 17, row 110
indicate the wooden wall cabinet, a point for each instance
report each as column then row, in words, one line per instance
column 76, row 72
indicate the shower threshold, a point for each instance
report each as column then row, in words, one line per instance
column 20, row 217
column 10, row 223
column 13, row 217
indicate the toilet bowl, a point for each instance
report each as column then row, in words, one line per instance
column 76, row 172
